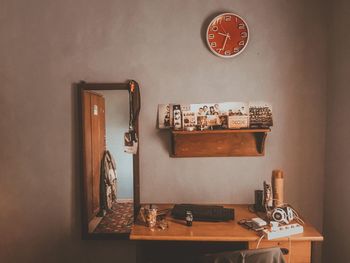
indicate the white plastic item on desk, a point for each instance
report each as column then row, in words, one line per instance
column 259, row 222
column 284, row 231
column 274, row 225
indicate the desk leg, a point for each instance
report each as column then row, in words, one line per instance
column 300, row 251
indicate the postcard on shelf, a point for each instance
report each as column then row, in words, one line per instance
column 225, row 115
column 205, row 109
column 189, row 120
column 223, row 121
column 237, row 115
column 213, row 120
column 164, row 116
column 202, row 122
column 238, row 122
column 260, row 115
column 177, row 117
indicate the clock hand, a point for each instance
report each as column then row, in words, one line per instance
column 222, row 28
column 226, row 35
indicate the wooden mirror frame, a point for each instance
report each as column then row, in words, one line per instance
column 84, row 86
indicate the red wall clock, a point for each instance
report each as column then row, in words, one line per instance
column 227, row 35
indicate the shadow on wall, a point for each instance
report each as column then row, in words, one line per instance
column 163, row 135
column 76, row 194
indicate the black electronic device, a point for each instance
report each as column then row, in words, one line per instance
column 214, row 213
column 259, row 201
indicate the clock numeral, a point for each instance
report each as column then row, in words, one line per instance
column 241, row 26
column 227, row 52
column 219, row 20
column 244, row 34
column 241, row 43
column 213, row 44
column 236, row 49
column 211, row 36
column 227, row 18
column 214, row 28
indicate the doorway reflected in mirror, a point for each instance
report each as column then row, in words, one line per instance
column 108, row 171
column 119, row 213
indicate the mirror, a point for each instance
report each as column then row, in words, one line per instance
column 110, row 176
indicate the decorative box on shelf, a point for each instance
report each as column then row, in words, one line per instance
column 215, row 143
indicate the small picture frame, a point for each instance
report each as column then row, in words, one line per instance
column 165, row 116
column 177, row 117
column 260, row 115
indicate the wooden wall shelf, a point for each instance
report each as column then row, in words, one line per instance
column 216, row 143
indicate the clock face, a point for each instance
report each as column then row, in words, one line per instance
column 227, row 35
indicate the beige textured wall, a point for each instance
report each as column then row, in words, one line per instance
column 48, row 45
column 337, row 184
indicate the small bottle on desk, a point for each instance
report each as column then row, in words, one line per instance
column 189, row 218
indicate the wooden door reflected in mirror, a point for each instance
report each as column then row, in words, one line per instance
column 110, row 176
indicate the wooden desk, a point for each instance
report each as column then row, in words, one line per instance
column 299, row 245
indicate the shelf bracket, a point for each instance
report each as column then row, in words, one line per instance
column 260, row 138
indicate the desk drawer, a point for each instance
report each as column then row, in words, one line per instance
column 300, row 251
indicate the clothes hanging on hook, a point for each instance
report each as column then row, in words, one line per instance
column 108, row 182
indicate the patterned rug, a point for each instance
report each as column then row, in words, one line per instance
column 119, row 220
